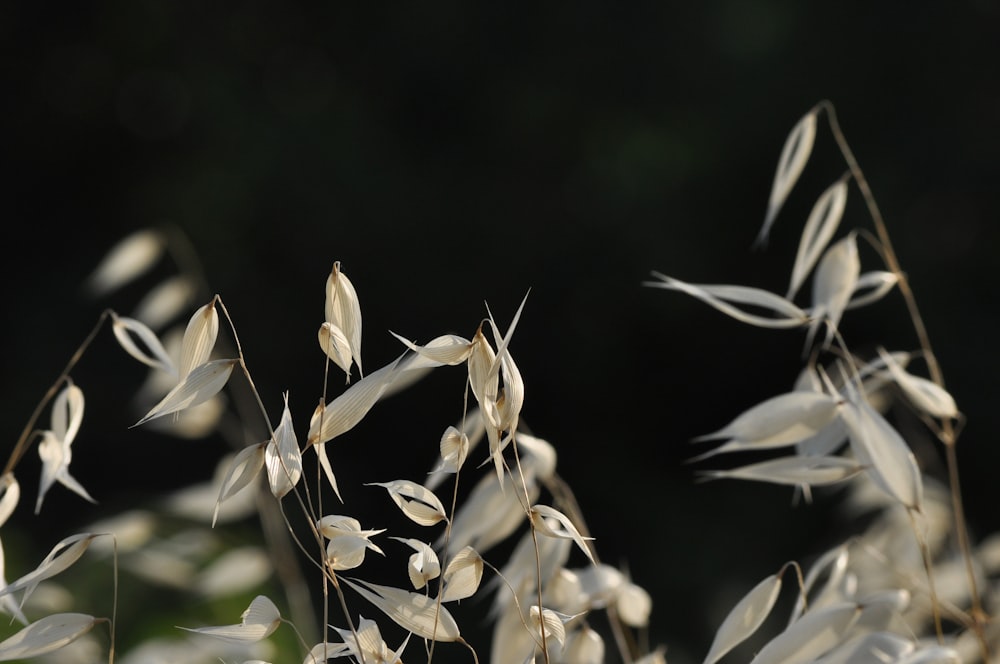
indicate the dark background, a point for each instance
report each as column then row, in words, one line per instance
column 451, row 154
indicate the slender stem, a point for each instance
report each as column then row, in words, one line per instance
column 925, row 555
column 22, row 442
column 114, row 603
column 534, row 541
column 947, row 434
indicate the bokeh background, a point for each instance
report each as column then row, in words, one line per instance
column 456, row 154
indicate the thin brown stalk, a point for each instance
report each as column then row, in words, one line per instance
column 947, row 434
column 22, row 442
column 534, row 541
column 925, row 556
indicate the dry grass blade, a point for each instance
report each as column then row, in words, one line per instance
column 283, row 458
column 423, row 507
column 720, row 296
column 243, row 470
column 880, row 448
column 794, row 155
column 872, row 287
column 819, row 229
column 485, row 382
column 449, row 349
column 199, row 386
column 55, row 450
column 423, row 566
column 782, row 420
column 831, row 566
column 927, row 396
column 803, row 471
column 811, row 636
column 334, row 343
column 463, row 575
column 540, row 514
column 414, row 612
column 343, row 413
column 46, row 635
column 11, row 496
column 343, row 310
column 259, row 621
column 157, row 356
column 744, row 618
column 62, row 556
column 834, row 283
column 553, row 624
column 199, row 338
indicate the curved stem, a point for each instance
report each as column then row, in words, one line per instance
column 22, row 442
column 947, row 434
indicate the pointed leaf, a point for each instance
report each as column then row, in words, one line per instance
column 67, row 413
column 283, row 458
column 832, row 564
column 423, row 507
column 794, row 470
column 55, row 450
column 243, row 470
column 60, row 558
column 7, row 603
column 199, row 338
column 343, row 413
column 462, row 576
column 200, row 385
column 343, row 309
column 11, row 496
column 879, row 447
column 449, row 349
column 454, row 450
column 566, row 529
column 781, row 420
column 56, row 457
column 819, row 229
column 482, row 380
column 809, row 637
column 871, row 287
column 932, row 655
column 46, row 635
column 511, row 399
column 744, row 618
column 924, row 394
column 833, row 285
column 794, row 155
column 347, row 551
column 417, row 613
column 154, row 355
column 324, row 462
column 423, row 565
column 549, row 621
column 334, row 343
column 259, row 621
column 720, row 296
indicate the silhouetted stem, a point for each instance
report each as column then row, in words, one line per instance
column 947, row 432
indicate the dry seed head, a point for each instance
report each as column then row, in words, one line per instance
column 199, row 338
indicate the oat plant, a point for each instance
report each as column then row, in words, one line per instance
column 909, row 586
